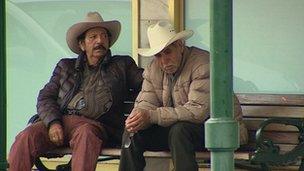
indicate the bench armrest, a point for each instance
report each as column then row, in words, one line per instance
column 33, row 119
column 269, row 153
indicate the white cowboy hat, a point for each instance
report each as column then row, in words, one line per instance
column 93, row 19
column 160, row 35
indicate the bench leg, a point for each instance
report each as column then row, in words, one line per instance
column 302, row 164
column 64, row 167
column 107, row 158
column 67, row 167
column 265, row 167
column 40, row 166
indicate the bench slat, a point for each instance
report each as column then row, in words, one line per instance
column 283, row 147
column 271, row 99
column 198, row 155
column 278, row 137
column 253, row 124
column 151, row 154
column 286, row 147
column 273, row 111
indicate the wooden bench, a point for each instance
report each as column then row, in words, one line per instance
column 257, row 108
column 275, row 138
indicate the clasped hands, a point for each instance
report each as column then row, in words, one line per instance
column 139, row 119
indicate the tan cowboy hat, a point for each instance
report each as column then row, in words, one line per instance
column 93, row 19
column 160, row 35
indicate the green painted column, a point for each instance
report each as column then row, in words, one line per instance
column 221, row 130
column 3, row 163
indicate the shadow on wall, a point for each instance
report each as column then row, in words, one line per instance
column 201, row 33
column 244, row 85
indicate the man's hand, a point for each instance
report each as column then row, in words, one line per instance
column 56, row 133
column 138, row 119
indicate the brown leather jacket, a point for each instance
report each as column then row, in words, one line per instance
column 120, row 73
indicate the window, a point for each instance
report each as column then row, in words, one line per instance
column 267, row 43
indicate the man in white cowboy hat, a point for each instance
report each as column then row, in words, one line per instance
column 80, row 106
column 173, row 103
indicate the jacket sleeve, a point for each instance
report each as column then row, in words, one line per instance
column 147, row 98
column 47, row 106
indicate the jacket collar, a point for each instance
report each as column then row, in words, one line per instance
column 82, row 60
column 183, row 61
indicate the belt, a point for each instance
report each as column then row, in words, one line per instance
column 73, row 112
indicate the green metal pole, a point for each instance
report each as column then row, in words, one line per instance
column 221, row 130
column 3, row 163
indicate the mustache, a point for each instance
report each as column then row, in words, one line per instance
column 99, row 47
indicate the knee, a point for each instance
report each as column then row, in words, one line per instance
column 29, row 138
column 179, row 131
column 23, row 136
column 87, row 136
column 29, row 133
column 88, row 130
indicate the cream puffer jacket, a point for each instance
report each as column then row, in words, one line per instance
column 190, row 94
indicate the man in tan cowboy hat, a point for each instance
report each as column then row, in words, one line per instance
column 173, row 103
column 80, row 106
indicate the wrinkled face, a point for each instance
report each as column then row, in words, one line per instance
column 170, row 57
column 95, row 44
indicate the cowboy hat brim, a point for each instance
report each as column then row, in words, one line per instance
column 79, row 28
column 152, row 51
